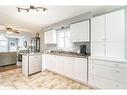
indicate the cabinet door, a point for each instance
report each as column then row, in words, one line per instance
column 80, row 69
column 50, row 62
column 69, row 66
column 50, row 37
column 98, row 29
column 97, row 49
column 98, row 36
column 115, row 28
column 83, row 31
column 43, row 61
column 115, row 49
column 74, row 32
column 60, row 64
column 25, row 65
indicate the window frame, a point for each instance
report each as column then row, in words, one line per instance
column 64, row 48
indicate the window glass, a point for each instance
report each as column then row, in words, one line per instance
column 63, row 40
column 8, row 44
column 3, row 44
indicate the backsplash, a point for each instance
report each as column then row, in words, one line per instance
column 51, row 47
column 75, row 47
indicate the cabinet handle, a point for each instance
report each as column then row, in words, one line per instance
column 117, row 65
column 117, row 71
column 104, row 39
column 92, row 66
column 117, row 85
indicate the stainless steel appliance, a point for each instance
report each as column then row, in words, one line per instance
column 83, row 50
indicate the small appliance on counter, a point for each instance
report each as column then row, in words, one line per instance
column 83, row 50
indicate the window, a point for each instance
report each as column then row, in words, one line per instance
column 8, row 44
column 63, row 39
column 12, row 44
column 3, row 44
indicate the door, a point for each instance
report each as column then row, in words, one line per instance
column 115, row 31
column 35, row 63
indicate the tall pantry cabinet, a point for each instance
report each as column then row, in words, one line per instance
column 108, row 35
column 107, row 64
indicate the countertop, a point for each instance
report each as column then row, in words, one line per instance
column 68, row 55
column 34, row 53
column 58, row 54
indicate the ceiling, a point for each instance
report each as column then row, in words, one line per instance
column 35, row 21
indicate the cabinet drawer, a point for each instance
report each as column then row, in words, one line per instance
column 113, row 73
column 107, row 62
column 104, row 83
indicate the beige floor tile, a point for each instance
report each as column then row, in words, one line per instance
column 14, row 79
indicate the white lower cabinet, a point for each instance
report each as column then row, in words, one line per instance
column 50, row 62
column 103, row 83
column 80, row 69
column 107, row 74
column 71, row 67
column 59, row 65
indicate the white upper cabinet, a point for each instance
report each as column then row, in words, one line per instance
column 50, row 37
column 115, row 34
column 98, row 29
column 108, row 34
column 98, row 36
column 84, row 31
column 80, row 31
column 115, row 26
column 74, row 35
column 98, row 49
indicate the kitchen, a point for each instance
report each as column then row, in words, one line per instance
column 84, row 51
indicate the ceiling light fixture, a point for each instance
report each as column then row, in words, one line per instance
column 9, row 32
column 31, row 7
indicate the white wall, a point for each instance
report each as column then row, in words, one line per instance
column 22, row 39
column 42, row 45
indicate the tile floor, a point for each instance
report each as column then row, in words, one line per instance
column 14, row 79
